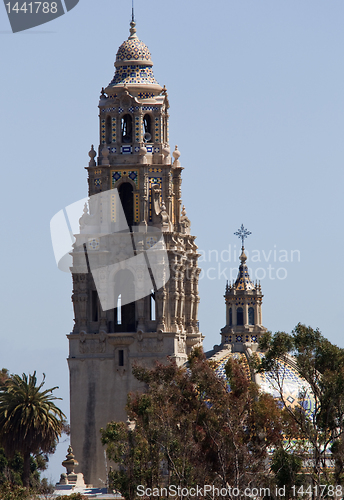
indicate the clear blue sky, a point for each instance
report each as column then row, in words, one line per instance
column 257, row 111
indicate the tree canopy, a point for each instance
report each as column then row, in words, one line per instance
column 321, row 365
column 30, row 422
column 187, row 429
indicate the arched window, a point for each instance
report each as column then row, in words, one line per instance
column 127, row 129
column 124, row 313
column 127, row 200
column 240, row 316
column 108, row 130
column 230, row 317
column 250, row 316
column 147, row 128
column 152, row 306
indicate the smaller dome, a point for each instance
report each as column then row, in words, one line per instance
column 133, row 50
column 243, row 281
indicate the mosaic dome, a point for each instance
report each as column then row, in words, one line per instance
column 296, row 391
column 133, row 62
column 243, row 281
column 133, row 49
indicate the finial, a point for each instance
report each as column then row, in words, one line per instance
column 183, row 211
column 102, row 93
column 243, row 256
column 92, row 154
column 176, row 155
column 132, row 24
column 164, row 90
column 70, row 463
column 242, row 233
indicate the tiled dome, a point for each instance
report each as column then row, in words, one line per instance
column 133, row 49
column 296, row 390
column 133, row 62
column 243, row 281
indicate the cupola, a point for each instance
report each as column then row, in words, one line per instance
column 243, row 306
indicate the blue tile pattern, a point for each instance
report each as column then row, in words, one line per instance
column 133, row 74
column 133, row 49
column 292, row 384
column 102, row 130
column 107, row 110
column 126, row 150
column 296, row 391
column 117, row 174
column 220, row 364
column 145, row 95
column 243, row 281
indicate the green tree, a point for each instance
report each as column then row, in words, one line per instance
column 287, row 468
column 321, row 365
column 30, row 422
column 188, row 429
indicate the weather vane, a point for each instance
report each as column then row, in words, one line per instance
column 242, row 233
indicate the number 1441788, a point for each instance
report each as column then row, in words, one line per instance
column 32, row 7
column 322, row 490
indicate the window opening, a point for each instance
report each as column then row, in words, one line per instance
column 125, row 312
column 240, row 316
column 152, row 306
column 147, row 128
column 120, row 357
column 108, row 130
column 119, row 310
column 94, row 305
column 127, row 129
column 250, row 316
column 127, row 199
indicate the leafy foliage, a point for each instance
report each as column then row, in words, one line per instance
column 187, row 429
column 30, row 422
column 321, row 365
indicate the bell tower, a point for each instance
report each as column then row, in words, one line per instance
column 135, row 271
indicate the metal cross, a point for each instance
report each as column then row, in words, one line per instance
column 242, row 233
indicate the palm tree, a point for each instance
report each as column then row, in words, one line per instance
column 29, row 420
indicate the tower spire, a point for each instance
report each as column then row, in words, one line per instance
column 132, row 23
